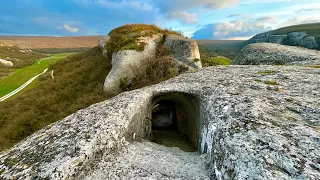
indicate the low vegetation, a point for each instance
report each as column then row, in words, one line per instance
column 211, row 58
column 126, row 37
column 20, row 76
column 225, row 48
column 158, row 69
column 78, row 83
column 312, row 29
column 267, row 72
column 271, row 82
column 20, row 58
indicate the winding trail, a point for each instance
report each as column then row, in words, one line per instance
column 22, row 86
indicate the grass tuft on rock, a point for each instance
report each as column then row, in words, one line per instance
column 271, row 82
column 267, row 72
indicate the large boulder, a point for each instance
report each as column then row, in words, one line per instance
column 278, row 39
column 301, row 39
column 296, row 38
column 310, row 42
column 127, row 62
column 6, row 63
column 247, row 127
column 276, row 54
column 184, row 50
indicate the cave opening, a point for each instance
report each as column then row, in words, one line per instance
column 175, row 118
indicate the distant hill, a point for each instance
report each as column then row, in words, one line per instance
column 304, row 35
column 50, row 44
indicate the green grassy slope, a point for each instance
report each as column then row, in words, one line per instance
column 78, row 83
column 25, row 58
column 19, row 58
column 20, row 76
column 312, row 29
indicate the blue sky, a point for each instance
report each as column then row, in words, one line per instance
column 200, row 19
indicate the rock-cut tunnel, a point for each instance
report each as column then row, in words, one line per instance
column 175, row 120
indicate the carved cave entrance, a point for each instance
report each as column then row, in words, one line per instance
column 175, row 120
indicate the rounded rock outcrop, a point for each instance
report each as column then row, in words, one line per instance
column 184, row 50
column 6, row 63
column 276, row 54
column 131, row 46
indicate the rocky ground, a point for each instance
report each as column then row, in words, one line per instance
column 276, row 54
column 147, row 160
column 256, row 122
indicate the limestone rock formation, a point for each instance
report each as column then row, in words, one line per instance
column 247, row 129
column 126, row 64
column 268, row 53
column 278, row 39
column 294, row 38
column 184, row 50
column 6, row 63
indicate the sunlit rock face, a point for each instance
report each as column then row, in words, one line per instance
column 276, row 54
column 247, row 129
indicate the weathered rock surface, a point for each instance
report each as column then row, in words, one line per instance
column 267, row 53
column 6, row 63
column 152, row 161
column 126, row 64
column 248, row 130
column 278, row 39
column 295, row 38
column 184, row 50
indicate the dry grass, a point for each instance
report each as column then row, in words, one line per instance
column 48, row 42
column 125, row 37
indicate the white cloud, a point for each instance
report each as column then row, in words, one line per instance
column 184, row 16
column 227, row 28
column 68, row 28
column 264, row 21
column 180, row 9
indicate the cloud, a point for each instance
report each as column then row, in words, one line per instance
column 184, row 16
column 68, row 28
column 235, row 15
column 180, row 8
column 239, row 29
column 261, row 22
